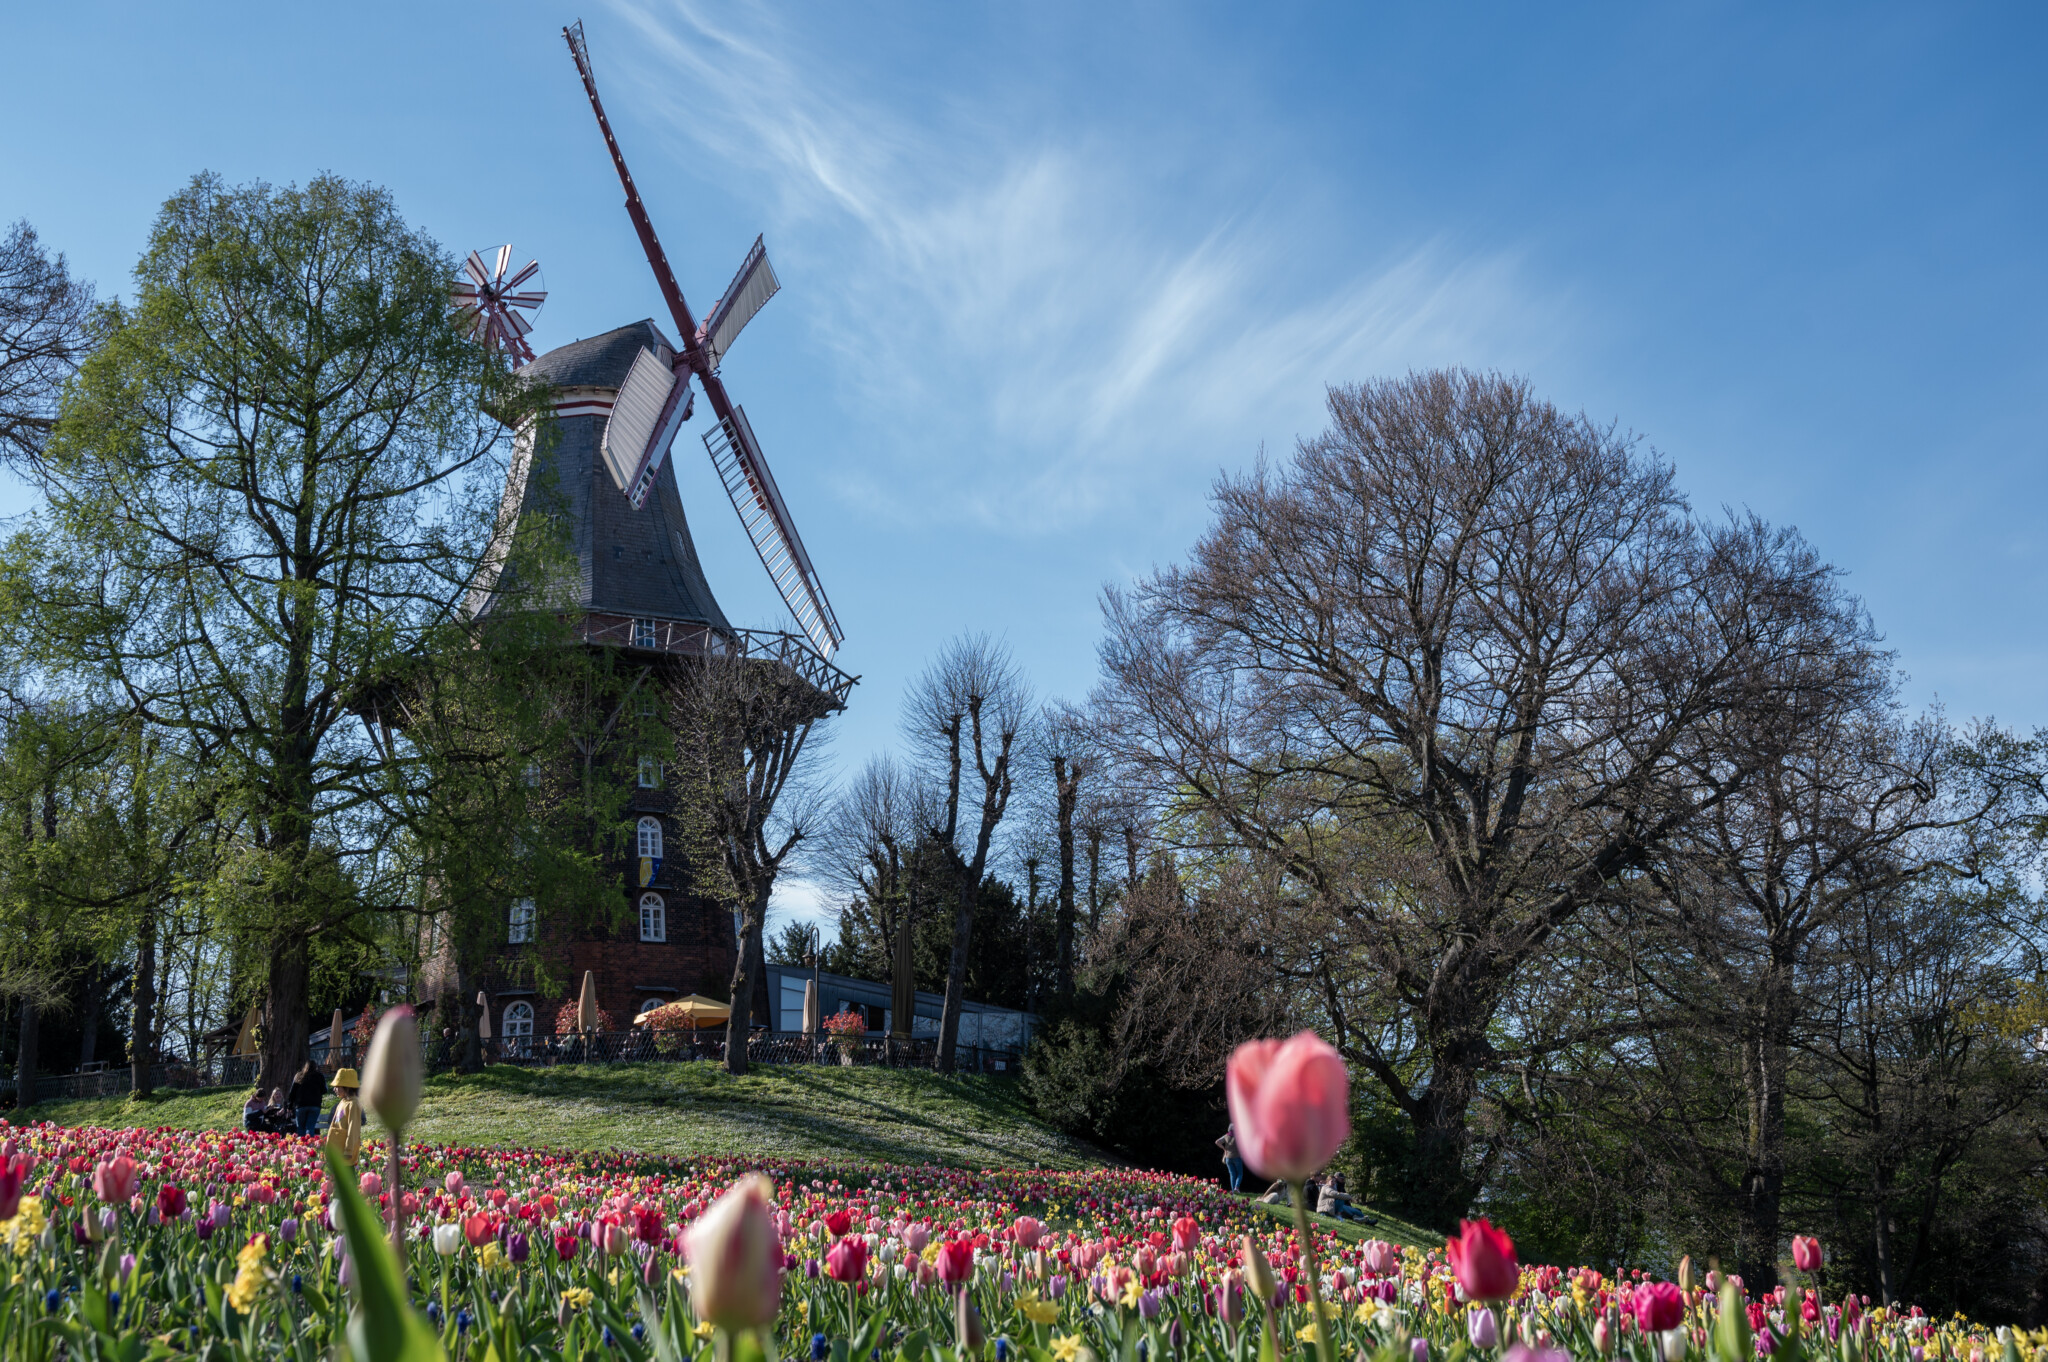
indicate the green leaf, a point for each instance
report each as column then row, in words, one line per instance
column 383, row 1327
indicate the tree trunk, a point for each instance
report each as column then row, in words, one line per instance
column 956, row 978
column 25, row 1055
column 1067, row 787
column 1094, row 880
column 1440, row 1188
column 1766, row 1054
column 142, row 1033
column 89, row 1016
column 284, row 1011
column 744, row 976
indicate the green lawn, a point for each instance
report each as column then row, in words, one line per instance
column 1389, row 1227
column 815, row 1112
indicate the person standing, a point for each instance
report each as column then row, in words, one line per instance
column 345, row 1131
column 309, row 1088
column 1233, row 1165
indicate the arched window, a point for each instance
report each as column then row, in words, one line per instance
column 653, row 918
column 519, row 1021
column 520, row 927
column 649, row 1004
column 650, row 837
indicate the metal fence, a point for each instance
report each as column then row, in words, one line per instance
column 225, row 1071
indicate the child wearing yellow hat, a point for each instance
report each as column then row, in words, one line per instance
column 345, row 1133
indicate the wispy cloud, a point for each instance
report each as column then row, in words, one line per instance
column 1029, row 319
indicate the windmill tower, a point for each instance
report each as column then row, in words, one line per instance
column 619, row 400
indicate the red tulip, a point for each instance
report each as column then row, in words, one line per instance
column 1483, row 1260
column 838, row 1223
column 1658, row 1306
column 477, row 1230
column 1187, row 1233
column 847, row 1259
column 1806, row 1254
column 956, row 1261
column 1290, row 1102
column 14, row 1171
column 565, row 1244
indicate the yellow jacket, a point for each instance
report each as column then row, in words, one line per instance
column 345, row 1135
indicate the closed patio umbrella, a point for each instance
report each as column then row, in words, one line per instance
column 483, row 1015
column 810, row 1007
column 586, row 1006
column 245, row 1043
column 336, row 1036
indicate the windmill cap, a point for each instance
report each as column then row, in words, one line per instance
column 346, row 1078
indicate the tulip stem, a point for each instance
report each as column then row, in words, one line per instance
column 1324, row 1346
column 396, row 1192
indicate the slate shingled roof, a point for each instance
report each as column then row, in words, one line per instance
column 627, row 562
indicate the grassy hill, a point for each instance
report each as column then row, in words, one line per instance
column 887, row 1115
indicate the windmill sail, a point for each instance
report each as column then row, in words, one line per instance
column 746, row 295
column 737, row 456
column 635, row 414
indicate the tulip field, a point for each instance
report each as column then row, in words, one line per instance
column 132, row 1244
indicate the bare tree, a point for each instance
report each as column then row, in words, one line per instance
column 746, row 731
column 1072, row 763
column 869, row 850
column 964, row 718
column 1467, row 630
column 45, row 330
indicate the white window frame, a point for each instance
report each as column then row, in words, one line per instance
column 645, row 634
column 647, row 1005
column 653, row 918
column 519, row 925
column 650, row 837
column 517, row 1021
column 650, row 773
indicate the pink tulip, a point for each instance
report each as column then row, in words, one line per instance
column 1187, row 1233
column 1483, row 1259
column 1806, row 1254
column 392, row 1071
column 1380, row 1257
column 1658, row 1306
column 915, row 1237
column 1027, row 1232
column 454, row 1183
column 1290, row 1102
column 847, row 1259
column 115, row 1180
column 735, row 1262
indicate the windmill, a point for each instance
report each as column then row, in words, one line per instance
column 491, row 304
column 656, row 399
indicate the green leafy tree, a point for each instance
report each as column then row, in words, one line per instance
column 265, row 495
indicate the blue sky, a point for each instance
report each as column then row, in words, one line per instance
column 1048, row 268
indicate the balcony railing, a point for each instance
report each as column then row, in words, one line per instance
column 694, row 639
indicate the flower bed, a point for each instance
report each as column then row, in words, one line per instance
column 177, row 1240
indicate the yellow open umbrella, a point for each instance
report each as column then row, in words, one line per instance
column 701, row 1011
column 586, row 1006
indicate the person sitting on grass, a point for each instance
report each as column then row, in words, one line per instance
column 256, row 1112
column 1332, row 1200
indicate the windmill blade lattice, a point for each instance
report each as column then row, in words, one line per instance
column 492, row 305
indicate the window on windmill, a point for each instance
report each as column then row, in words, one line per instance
column 643, row 634
column 650, row 838
column 520, row 928
column 650, row 773
column 653, row 918
column 645, row 705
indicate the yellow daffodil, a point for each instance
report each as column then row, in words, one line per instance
column 1306, row 1333
column 1132, row 1290
column 489, row 1254
column 1066, row 1347
column 579, row 1297
column 1036, row 1310
column 703, row 1329
column 249, row 1274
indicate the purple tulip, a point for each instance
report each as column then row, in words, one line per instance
column 127, row 1266
column 1419, row 1350
column 288, row 1229
column 516, row 1247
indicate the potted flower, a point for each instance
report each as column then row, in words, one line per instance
column 846, row 1029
